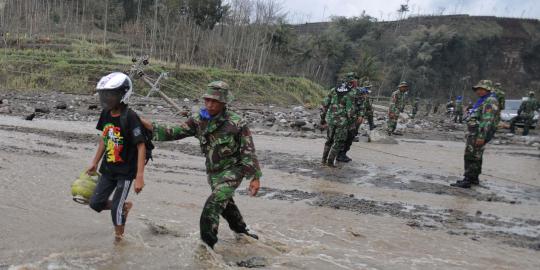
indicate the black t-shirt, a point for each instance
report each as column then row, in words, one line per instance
column 120, row 157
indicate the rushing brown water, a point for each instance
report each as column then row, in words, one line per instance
column 389, row 209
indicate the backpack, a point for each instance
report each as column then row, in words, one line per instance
column 147, row 134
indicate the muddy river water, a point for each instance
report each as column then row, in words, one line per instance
column 391, row 208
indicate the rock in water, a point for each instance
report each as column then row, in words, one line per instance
column 42, row 109
column 298, row 123
column 5, row 110
column 61, row 106
column 253, row 262
column 30, row 117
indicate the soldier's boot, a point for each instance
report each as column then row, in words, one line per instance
column 342, row 157
column 465, row 183
column 512, row 127
column 331, row 158
column 252, row 235
column 475, row 181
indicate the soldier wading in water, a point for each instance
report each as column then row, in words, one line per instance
column 226, row 142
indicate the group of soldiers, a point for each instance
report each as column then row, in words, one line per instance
column 342, row 113
column 346, row 106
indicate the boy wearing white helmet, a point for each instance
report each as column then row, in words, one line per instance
column 121, row 150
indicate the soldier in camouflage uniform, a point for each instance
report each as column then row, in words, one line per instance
column 360, row 101
column 226, row 141
column 339, row 115
column 415, row 107
column 481, row 128
column 458, row 113
column 525, row 114
column 368, row 104
column 397, row 105
column 501, row 98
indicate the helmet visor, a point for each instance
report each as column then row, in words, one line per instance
column 109, row 99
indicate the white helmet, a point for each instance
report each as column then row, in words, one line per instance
column 116, row 82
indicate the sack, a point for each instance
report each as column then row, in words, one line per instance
column 83, row 187
column 147, row 134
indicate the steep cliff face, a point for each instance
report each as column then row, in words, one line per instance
column 461, row 49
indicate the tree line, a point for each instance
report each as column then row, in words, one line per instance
column 254, row 36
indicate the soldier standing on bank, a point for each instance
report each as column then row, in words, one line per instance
column 481, row 128
column 338, row 115
column 458, row 113
column 415, row 107
column 525, row 114
column 397, row 106
column 226, row 141
column 368, row 104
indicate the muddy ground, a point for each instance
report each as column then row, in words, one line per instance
column 391, row 208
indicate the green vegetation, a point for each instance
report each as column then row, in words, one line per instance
column 77, row 67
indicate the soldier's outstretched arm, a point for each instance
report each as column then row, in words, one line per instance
column 164, row 132
column 248, row 158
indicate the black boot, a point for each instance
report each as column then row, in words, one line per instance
column 465, row 183
column 475, row 181
column 342, row 157
column 252, row 235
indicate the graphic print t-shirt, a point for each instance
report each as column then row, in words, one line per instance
column 120, row 157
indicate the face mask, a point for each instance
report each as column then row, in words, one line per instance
column 204, row 114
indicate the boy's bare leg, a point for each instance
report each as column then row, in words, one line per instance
column 119, row 230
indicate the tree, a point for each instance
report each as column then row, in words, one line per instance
column 206, row 13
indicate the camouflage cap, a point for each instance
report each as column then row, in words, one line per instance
column 351, row 76
column 485, row 84
column 218, row 90
column 403, row 84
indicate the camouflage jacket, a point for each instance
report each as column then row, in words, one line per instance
column 340, row 109
column 482, row 120
column 368, row 106
column 528, row 107
column 225, row 141
column 397, row 102
column 501, row 98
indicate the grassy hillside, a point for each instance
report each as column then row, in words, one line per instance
column 75, row 66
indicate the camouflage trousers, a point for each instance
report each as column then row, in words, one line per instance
column 392, row 122
column 369, row 117
column 473, row 158
column 221, row 202
column 335, row 141
column 458, row 117
column 351, row 134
